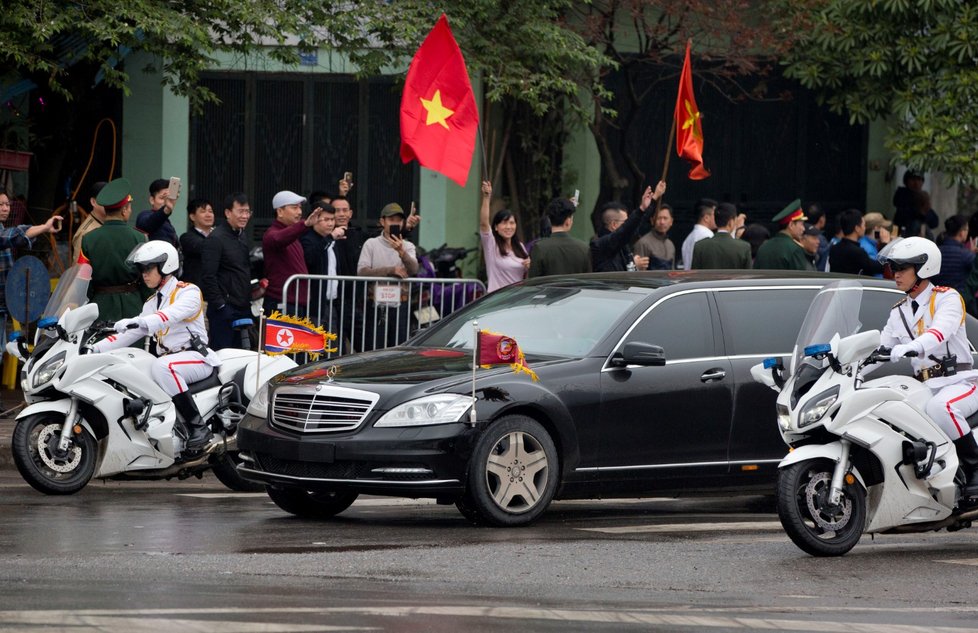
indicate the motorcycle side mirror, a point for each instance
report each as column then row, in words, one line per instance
column 777, row 370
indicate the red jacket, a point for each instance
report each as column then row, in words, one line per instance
column 283, row 258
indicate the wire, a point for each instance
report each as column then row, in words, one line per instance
column 81, row 181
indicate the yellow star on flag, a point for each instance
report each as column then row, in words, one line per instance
column 691, row 118
column 437, row 113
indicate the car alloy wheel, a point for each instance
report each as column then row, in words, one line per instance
column 513, row 473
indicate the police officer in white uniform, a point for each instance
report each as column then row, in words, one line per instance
column 173, row 317
column 930, row 322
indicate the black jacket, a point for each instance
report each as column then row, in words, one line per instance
column 192, row 246
column 225, row 269
column 348, row 251
column 849, row 257
column 609, row 249
column 314, row 249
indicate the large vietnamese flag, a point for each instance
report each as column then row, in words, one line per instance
column 689, row 127
column 439, row 118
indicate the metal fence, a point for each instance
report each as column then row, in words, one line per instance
column 368, row 313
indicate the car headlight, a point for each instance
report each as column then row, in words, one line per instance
column 46, row 372
column 258, row 406
column 817, row 406
column 444, row 408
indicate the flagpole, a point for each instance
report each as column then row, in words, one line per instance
column 485, row 159
column 665, row 163
column 475, row 363
column 261, row 345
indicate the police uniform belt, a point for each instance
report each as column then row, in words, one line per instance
column 936, row 371
column 116, row 290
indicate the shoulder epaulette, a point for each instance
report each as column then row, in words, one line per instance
column 941, row 288
column 182, row 284
column 899, row 303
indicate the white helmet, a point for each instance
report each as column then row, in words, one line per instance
column 158, row 252
column 918, row 252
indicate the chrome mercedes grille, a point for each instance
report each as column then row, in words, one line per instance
column 320, row 409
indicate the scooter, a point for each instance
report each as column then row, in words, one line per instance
column 101, row 415
column 865, row 458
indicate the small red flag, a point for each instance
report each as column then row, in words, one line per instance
column 439, row 118
column 499, row 349
column 689, row 127
column 286, row 334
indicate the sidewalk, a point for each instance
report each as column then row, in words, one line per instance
column 10, row 400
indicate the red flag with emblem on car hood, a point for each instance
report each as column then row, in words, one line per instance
column 499, row 349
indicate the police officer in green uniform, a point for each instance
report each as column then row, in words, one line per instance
column 116, row 286
column 783, row 251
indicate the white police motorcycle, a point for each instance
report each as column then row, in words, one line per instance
column 864, row 458
column 102, row 416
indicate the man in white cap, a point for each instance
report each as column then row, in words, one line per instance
column 283, row 252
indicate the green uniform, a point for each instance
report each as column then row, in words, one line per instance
column 116, row 287
column 721, row 251
column 559, row 254
column 780, row 252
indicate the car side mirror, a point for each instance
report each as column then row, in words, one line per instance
column 637, row 353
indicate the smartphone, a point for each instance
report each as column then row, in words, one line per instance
column 413, row 208
column 876, row 234
column 576, row 197
column 395, row 230
column 173, row 189
column 348, row 176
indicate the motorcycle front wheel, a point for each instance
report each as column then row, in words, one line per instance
column 814, row 525
column 43, row 465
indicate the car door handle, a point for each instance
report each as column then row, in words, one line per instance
column 713, row 374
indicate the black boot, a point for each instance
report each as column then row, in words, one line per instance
column 197, row 432
column 967, row 448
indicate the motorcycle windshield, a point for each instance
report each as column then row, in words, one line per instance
column 71, row 292
column 834, row 310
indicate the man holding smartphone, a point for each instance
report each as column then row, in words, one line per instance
column 388, row 255
column 155, row 221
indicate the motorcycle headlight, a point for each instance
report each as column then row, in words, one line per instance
column 817, row 406
column 258, row 406
column 45, row 373
column 441, row 409
column 784, row 417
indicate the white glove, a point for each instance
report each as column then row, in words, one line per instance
column 899, row 351
column 126, row 324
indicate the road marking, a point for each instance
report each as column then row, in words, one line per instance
column 139, row 620
column 687, row 527
column 960, row 561
column 52, row 621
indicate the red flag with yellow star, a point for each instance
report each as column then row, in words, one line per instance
column 439, row 118
column 689, row 128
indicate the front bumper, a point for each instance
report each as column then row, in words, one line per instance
column 426, row 461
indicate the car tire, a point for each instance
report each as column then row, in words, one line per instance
column 512, row 474
column 308, row 504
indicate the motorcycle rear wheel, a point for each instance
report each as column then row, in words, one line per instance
column 226, row 471
column 813, row 525
column 34, row 445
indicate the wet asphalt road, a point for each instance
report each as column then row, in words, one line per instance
column 192, row 556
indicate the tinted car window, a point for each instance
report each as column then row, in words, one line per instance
column 762, row 321
column 550, row 321
column 875, row 308
column 681, row 325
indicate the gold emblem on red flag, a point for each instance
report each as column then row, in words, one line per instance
column 437, row 113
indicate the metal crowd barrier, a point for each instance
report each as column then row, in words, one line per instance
column 368, row 313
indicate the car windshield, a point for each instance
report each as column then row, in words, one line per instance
column 544, row 320
column 834, row 310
